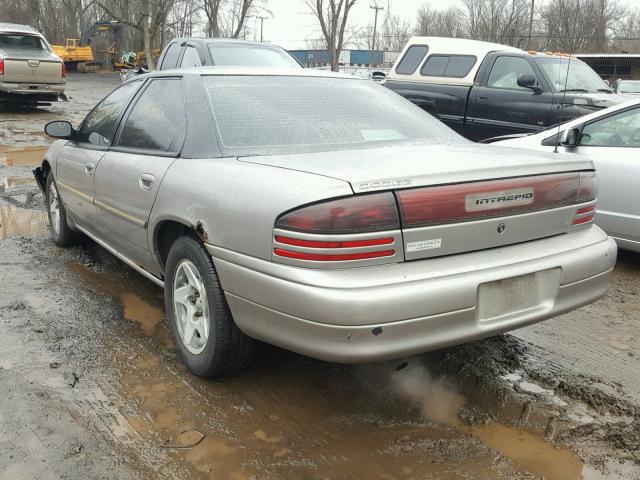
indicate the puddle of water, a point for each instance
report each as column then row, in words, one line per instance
column 135, row 308
column 12, row 182
column 440, row 403
column 530, row 452
column 20, row 222
column 27, row 156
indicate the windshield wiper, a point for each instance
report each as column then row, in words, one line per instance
column 605, row 90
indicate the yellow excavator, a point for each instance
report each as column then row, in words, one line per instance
column 77, row 54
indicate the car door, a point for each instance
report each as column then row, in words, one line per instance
column 80, row 156
column 127, row 179
column 499, row 106
column 613, row 143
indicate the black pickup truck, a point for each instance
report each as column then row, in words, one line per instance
column 484, row 90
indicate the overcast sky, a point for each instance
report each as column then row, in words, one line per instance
column 292, row 23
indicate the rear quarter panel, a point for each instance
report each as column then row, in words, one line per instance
column 236, row 203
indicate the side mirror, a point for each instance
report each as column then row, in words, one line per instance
column 529, row 81
column 570, row 137
column 59, row 129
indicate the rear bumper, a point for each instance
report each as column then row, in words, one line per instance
column 32, row 88
column 388, row 311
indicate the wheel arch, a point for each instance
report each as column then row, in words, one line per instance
column 168, row 230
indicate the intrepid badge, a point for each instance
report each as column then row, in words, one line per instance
column 495, row 200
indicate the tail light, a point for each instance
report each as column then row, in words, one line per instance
column 365, row 213
column 364, row 227
column 64, row 70
column 495, row 198
column 1, row 66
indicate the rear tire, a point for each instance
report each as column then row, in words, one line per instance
column 208, row 340
column 61, row 234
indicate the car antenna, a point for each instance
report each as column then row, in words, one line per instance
column 564, row 91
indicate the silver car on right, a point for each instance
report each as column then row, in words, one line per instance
column 611, row 138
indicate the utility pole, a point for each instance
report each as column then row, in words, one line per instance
column 375, row 27
column 533, row 3
column 262, row 19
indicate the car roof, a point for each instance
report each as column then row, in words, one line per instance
column 225, row 41
column 16, row 28
column 249, row 71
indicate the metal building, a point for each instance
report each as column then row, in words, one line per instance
column 612, row 66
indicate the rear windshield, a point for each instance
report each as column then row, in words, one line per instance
column 261, row 115
column 253, row 55
column 18, row 40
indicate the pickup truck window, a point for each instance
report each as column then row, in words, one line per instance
column 506, row 70
column 17, row 40
column 580, row 78
column 448, row 66
column 411, row 59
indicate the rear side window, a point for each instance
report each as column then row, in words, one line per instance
column 411, row 59
column 171, row 57
column 157, row 120
column 99, row 126
column 448, row 66
column 190, row 58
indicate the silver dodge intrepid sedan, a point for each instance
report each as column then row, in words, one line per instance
column 321, row 213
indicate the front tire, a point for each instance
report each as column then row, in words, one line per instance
column 208, row 340
column 61, row 234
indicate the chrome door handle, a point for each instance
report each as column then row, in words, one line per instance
column 146, row 181
column 89, row 168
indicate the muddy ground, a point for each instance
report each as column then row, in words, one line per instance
column 90, row 385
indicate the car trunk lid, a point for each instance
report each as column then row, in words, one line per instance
column 454, row 199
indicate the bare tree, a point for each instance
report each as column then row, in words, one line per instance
column 226, row 18
column 440, row 23
column 147, row 16
column 580, row 25
column 332, row 15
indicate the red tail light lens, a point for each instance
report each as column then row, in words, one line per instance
column 470, row 201
column 318, row 257
column 1, row 66
column 299, row 242
column 363, row 213
column 584, row 215
column 64, row 70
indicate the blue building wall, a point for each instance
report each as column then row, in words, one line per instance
column 363, row 57
column 356, row 57
column 310, row 56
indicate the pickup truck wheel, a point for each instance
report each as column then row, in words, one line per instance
column 207, row 338
column 61, row 234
